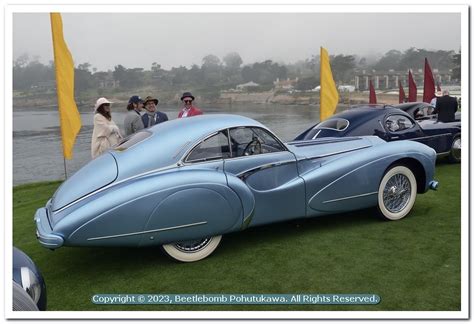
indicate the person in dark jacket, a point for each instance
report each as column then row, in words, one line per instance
column 133, row 119
column 152, row 116
column 189, row 109
column 446, row 107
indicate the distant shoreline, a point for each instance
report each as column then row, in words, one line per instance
column 270, row 97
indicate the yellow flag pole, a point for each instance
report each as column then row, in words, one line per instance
column 329, row 97
column 70, row 119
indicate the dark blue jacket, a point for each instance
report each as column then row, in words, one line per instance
column 159, row 117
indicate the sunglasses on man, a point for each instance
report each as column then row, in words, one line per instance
column 187, row 101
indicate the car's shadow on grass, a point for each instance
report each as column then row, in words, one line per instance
column 232, row 243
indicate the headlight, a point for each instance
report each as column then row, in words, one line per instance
column 30, row 283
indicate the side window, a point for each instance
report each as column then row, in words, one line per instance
column 213, row 148
column 398, row 123
column 252, row 140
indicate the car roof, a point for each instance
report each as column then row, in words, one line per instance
column 204, row 124
column 365, row 112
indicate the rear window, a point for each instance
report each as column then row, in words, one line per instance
column 132, row 140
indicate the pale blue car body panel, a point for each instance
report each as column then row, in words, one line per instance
column 149, row 195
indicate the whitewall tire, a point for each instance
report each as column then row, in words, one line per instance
column 397, row 193
column 193, row 250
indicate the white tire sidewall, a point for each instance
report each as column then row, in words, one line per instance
column 182, row 256
column 390, row 173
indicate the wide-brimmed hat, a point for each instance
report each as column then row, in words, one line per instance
column 100, row 102
column 187, row 95
column 150, row 98
column 135, row 99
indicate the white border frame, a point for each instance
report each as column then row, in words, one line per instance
column 232, row 8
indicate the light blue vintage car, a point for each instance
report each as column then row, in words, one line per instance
column 184, row 183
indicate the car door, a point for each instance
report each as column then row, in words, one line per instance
column 260, row 161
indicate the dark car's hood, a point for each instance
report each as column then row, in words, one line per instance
column 94, row 175
column 434, row 127
column 331, row 146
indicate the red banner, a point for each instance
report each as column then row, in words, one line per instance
column 401, row 93
column 428, row 84
column 372, row 97
column 411, row 88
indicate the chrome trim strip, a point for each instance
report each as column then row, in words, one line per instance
column 316, row 135
column 335, row 153
column 350, row 197
column 248, row 219
column 323, row 140
column 144, row 232
column 247, row 173
column 169, row 167
column 352, row 171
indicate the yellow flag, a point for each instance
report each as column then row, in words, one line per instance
column 68, row 113
column 329, row 97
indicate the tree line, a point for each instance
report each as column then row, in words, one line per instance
column 215, row 74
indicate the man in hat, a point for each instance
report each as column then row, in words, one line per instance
column 152, row 116
column 133, row 119
column 433, row 101
column 446, row 107
column 188, row 110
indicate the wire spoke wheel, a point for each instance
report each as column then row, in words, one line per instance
column 455, row 154
column 192, row 250
column 397, row 193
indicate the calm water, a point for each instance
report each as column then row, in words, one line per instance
column 37, row 150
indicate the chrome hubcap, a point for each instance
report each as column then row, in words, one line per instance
column 456, row 148
column 193, row 245
column 396, row 193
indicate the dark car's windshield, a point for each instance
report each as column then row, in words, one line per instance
column 338, row 124
column 328, row 128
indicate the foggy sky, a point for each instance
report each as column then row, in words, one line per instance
column 173, row 39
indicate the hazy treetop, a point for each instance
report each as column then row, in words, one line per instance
column 139, row 39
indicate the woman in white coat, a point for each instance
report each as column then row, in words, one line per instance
column 106, row 133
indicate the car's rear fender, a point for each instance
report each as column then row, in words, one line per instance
column 157, row 208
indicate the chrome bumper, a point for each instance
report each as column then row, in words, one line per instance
column 44, row 233
column 433, row 185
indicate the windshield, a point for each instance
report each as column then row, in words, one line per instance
column 338, row 124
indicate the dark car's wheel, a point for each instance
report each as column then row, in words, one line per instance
column 21, row 300
column 455, row 153
column 193, row 250
column 397, row 193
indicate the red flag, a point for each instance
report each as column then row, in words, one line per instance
column 428, row 84
column 401, row 93
column 372, row 97
column 411, row 88
column 438, row 87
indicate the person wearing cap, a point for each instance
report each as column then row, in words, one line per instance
column 106, row 133
column 133, row 119
column 188, row 110
column 152, row 116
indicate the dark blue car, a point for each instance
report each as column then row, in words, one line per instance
column 390, row 124
column 29, row 288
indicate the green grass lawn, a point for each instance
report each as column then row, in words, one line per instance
column 412, row 264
